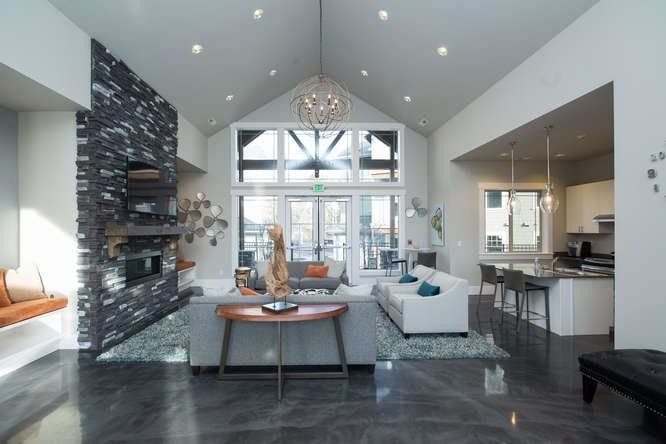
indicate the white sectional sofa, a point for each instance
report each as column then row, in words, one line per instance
column 420, row 272
column 446, row 312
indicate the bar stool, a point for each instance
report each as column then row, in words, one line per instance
column 514, row 280
column 489, row 276
column 403, row 265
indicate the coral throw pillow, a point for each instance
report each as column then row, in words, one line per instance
column 246, row 291
column 4, row 296
column 316, row 271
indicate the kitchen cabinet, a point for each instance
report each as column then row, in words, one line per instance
column 586, row 201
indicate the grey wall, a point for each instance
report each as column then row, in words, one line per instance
column 9, row 218
column 578, row 60
column 595, row 169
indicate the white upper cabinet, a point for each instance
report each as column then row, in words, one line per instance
column 586, row 201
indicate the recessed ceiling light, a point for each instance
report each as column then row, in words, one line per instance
column 258, row 14
column 272, row 72
column 407, row 99
column 383, row 15
column 229, row 98
column 442, row 51
column 560, row 155
column 424, row 122
column 212, row 121
column 504, row 155
column 197, row 48
column 364, row 73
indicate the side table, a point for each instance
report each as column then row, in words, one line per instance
column 305, row 312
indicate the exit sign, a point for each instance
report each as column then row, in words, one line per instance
column 318, row 187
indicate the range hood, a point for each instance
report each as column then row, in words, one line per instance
column 604, row 218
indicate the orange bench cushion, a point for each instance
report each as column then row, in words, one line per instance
column 21, row 311
column 184, row 265
column 4, row 296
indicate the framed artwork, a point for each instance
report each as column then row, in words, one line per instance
column 437, row 225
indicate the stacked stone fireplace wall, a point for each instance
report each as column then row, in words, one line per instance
column 127, row 118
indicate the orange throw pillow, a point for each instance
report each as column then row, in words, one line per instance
column 4, row 296
column 316, row 271
column 245, row 291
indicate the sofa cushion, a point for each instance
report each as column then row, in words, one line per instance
column 335, row 268
column 346, row 290
column 297, row 268
column 444, row 281
column 428, row 290
column 24, row 283
column 4, row 296
column 422, row 272
column 260, row 283
column 20, row 311
column 407, row 279
column 395, row 300
column 316, row 271
column 327, row 283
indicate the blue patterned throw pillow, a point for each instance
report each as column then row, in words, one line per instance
column 407, row 279
column 428, row 290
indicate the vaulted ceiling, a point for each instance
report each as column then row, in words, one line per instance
column 485, row 39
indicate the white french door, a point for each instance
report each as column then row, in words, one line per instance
column 318, row 227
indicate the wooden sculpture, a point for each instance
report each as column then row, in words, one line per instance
column 277, row 274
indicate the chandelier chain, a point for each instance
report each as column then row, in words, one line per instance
column 321, row 38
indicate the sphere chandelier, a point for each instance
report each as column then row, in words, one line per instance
column 319, row 102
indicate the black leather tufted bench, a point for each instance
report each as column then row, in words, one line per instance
column 639, row 375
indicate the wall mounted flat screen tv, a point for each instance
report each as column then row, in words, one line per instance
column 149, row 190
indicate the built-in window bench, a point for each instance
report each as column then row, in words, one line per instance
column 32, row 337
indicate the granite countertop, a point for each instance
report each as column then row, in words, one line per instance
column 560, row 272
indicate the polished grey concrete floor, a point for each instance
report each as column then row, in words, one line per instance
column 535, row 396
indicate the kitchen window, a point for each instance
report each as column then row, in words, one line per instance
column 517, row 233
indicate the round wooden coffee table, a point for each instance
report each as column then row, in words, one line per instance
column 305, row 312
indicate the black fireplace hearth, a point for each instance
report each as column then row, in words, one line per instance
column 141, row 267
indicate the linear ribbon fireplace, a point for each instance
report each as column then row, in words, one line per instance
column 141, row 267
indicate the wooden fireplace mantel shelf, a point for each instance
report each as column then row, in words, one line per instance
column 118, row 235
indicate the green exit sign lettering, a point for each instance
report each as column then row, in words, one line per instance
column 318, row 187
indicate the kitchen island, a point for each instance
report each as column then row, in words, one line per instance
column 581, row 302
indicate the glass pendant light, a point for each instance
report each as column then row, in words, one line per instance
column 549, row 202
column 513, row 205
